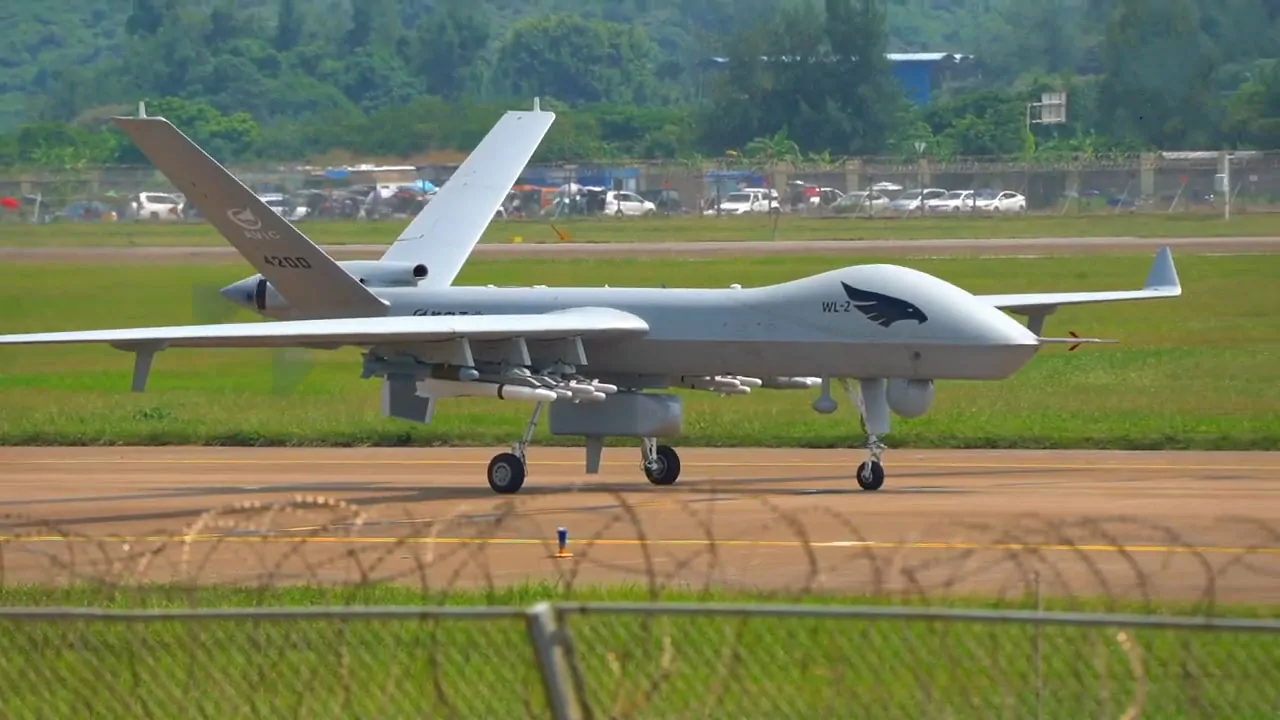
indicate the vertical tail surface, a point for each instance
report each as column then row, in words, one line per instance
column 312, row 283
column 443, row 235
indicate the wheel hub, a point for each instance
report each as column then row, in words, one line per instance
column 501, row 475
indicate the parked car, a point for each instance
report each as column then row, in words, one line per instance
column 86, row 211
column 825, row 197
column 156, row 206
column 747, row 200
column 1006, row 201
column 954, row 201
column 914, row 200
column 620, row 203
column 284, row 207
column 861, row 201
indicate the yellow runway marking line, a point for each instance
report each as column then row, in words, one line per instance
column 833, row 544
column 707, row 464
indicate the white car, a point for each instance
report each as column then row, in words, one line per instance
column 954, row 201
column 620, row 203
column 825, row 197
column 912, row 200
column 157, row 206
column 280, row 204
column 861, row 201
column 749, row 200
column 1006, row 201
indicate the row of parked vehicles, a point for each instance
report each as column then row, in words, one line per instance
column 874, row 201
column 802, row 198
column 940, row 200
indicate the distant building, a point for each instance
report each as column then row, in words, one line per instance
column 919, row 72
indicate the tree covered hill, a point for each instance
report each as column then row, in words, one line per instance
column 291, row 78
column 49, row 48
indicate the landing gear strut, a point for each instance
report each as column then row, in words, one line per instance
column 871, row 472
column 873, row 411
column 660, row 463
column 507, row 470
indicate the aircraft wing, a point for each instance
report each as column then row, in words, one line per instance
column 1162, row 282
column 399, row 330
column 443, row 235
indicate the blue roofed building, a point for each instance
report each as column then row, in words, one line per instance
column 920, row 73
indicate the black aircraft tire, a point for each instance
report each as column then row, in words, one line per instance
column 877, row 476
column 506, row 473
column 668, row 466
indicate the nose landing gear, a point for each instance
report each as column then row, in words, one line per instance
column 872, row 402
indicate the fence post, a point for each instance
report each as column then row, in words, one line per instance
column 553, row 663
column 1039, row 649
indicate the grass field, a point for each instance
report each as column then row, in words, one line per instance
column 632, row 666
column 1200, row 371
column 680, row 229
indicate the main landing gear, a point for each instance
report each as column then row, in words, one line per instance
column 872, row 402
column 508, row 470
column 660, row 463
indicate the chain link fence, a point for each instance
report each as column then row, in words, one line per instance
column 293, row 662
column 648, row 660
column 1172, row 182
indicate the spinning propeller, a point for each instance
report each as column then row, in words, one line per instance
column 289, row 366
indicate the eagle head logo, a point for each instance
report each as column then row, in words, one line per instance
column 883, row 310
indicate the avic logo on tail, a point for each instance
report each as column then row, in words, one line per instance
column 244, row 218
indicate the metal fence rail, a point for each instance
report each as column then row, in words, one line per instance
column 1146, row 183
column 633, row 660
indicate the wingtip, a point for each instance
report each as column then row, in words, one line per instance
column 1163, row 274
column 123, row 121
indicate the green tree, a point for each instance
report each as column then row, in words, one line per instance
column 1254, row 111
column 577, row 61
column 288, row 26
column 146, row 17
column 1158, row 84
column 821, row 77
column 449, row 44
column 985, row 123
column 225, row 137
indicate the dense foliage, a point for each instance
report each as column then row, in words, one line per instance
column 288, row 79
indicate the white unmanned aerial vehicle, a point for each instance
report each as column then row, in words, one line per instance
column 589, row 353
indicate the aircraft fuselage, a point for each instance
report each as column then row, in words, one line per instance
column 859, row 321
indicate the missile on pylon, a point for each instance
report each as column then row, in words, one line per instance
column 792, row 383
column 723, row 384
column 433, row 387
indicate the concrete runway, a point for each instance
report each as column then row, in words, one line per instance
column 1136, row 525
column 852, row 248
column 1085, row 523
